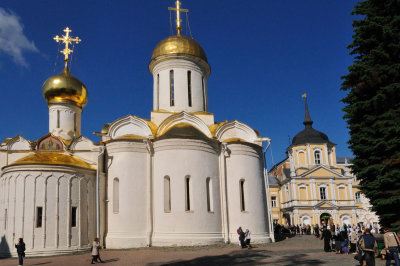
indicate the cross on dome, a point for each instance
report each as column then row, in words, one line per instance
column 66, row 39
column 178, row 10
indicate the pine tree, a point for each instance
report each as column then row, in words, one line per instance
column 372, row 108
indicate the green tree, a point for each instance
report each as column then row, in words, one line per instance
column 372, row 108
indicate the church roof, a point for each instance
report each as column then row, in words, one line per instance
column 183, row 130
column 309, row 134
column 52, row 158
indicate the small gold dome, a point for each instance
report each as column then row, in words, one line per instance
column 65, row 88
column 179, row 44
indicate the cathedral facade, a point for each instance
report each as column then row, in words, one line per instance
column 314, row 186
column 178, row 178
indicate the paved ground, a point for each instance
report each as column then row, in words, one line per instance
column 299, row 250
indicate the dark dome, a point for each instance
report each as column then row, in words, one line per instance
column 310, row 135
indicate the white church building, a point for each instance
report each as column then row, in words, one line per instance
column 178, row 178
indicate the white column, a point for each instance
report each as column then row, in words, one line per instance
column 44, row 212
column 308, row 154
column 313, row 191
column 15, row 205
column 79, row 212
column 69, row 213
column 292, row 164
column 33, row 214
column 57, row 212
column 293, row 183
column 224, row 199
column 326, row 155
column 333, row 191
column 351, row 192
column 23, row 209
column 149, row 197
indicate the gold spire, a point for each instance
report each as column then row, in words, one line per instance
column 178, row 9
column 304, row 96
column 67, row 40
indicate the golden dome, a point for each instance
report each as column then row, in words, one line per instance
column 65, row 88
column 179, row 44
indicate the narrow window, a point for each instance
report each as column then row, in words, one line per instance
column 171, row 88
column 322, row 193
column 75, row 122
column 358, row 197
column 187, row 193
column 5, row 219
column 116, row 195
column 189, row 80
column 167, row 194
column 242, row 203
column 39, row 216
column 158, row 91
column 204, row 93
column 317, row 157
column 58, row 118
column 273, row 201
column 73, row 216
column 209, row 194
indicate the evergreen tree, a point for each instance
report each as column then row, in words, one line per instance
column 372, row 108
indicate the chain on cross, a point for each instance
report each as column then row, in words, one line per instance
column 66, row 39
column 178, row 10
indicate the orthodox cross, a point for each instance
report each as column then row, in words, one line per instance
column 178, row 10
column 67, row 40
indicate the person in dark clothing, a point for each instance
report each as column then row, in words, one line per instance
column 326, row 236
column 369, row 246
column 242, row 237
column 21, row 251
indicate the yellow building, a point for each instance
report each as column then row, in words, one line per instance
column 313, row 186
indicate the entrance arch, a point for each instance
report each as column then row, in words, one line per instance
column 324, row 218
column 286, row 218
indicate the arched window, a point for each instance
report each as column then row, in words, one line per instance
column 301, row 157
column 167, row 194
column 187, row 193
column 171, row 88
column 116, row 195
column 317, row 157
column 322, row 193
column 58, row 118
column 189, row 80
column 209, row 194
column 358, row 197
column 242, row 200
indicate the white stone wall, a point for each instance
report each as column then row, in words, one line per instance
column 161, row 89
column 178, row 158
column 127, row 161
column 56, row 189
column 67, row 127
column 244, row 162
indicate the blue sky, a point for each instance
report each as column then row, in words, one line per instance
column 263, row 54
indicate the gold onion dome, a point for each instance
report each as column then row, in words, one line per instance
column 179, row 44
column 65, row 88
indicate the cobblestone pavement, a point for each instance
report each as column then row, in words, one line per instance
column 299, row 250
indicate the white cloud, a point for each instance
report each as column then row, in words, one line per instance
column 13, row 42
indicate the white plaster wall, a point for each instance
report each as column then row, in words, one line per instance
column 181, row 103
column 67, row 127
column 245, row 162
column 23, row 189
column 127, row 161
column 178, row 158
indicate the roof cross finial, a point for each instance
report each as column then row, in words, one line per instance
column 178, row 10
column 307, row 118
column 67, row 40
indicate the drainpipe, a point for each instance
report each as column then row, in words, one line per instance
column 149, row 232
column 266, row 181
column 102, row 148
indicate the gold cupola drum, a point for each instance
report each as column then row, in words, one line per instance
column 65, row 88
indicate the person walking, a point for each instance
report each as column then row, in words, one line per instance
column 326, row 236
column 96, row 251
column 242, row 237
column 391, row 246
column 353, row 241
column 248, row 238
column 369, row 246
column 20, row 246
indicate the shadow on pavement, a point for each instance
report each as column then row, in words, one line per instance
column 41, row 263
column 298, row 259
column 235, row 257
column 111, row 260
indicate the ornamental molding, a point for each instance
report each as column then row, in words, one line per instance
column 129, row 125
column 236, row 129
column 186, row 118
column 321, row 167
